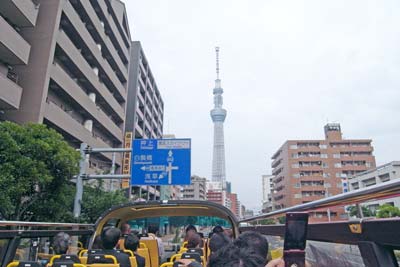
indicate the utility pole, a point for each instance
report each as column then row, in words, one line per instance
column 79, row 182
column 84, row 151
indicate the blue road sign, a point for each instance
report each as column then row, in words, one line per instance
column 161, row 162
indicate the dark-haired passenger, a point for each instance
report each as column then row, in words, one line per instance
column 132, row 243
column 109, row 238
column 218, row 241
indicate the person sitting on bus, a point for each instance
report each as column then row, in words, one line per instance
column 194, row 241
column 233, row 256
column 125, row 231
column 218, row 241
column 189, row 230
column 253, row 241
column 97, row 243
column 61, row 243
column 132, row 243
column 110, row 237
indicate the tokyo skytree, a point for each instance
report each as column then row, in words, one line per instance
column 218, row 115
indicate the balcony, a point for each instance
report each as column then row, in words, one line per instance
column 14, row 50
column 83, row 34
column 62, row 120
column 22, row 13
column 84, row 68
column 98, row 30
column 68, row 85
column 10, row 94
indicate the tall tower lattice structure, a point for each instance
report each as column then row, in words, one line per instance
column 218, row 115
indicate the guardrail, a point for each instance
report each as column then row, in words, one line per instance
column 375, row 192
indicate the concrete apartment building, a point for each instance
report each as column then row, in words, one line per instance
column 267, row 190
column 378, row 175
column 69, row 69
column 145, row 108
column 307, row 170
column 197, row 190
column 17, row 19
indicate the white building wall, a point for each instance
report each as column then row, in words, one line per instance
column 380, row 174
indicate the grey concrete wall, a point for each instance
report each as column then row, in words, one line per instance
column 34, row 77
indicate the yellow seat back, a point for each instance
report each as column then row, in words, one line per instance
column 175, row 257
column 167, row 264
column 144, row 252
column 153, row 251
column 13, row 264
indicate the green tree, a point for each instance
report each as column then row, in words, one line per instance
column 366, row 212
column 96, row 201
column 388, row 211
column 35, row 167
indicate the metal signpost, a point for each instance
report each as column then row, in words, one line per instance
column 155, row 162
column 161, row 162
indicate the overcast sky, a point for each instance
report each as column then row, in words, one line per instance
column 287, row 68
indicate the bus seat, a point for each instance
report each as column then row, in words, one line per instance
column 24, row 264
column 144, row 252
column 82, row 252
column 195, row 250
column 142, row 245
column 153, row 251
column 64, row 258
column 101, row 258
column 182, row 250
column 167, row 264
column 67, row 264
column 175, row 257
column 194, row 256
column 184, row 244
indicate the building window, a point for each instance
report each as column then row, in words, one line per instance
column 323, row 146
column 295, row 165
column 355, row 186
column 295, row 156
column 293, row 146
column 297, row 185
column 296, row 175
column 336, row 156
column 325, row 165
column 297, row 195
column 327, row 185
column 324, row 156
column 326, row 175
column 338, row 165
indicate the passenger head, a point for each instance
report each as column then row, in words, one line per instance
column 253, row 241
column 232, row 256
column 61, row 243
column 110, row 237
column 190, row 227
column 152, row 229
column 218, row 241
column 194, row 241
column 218, row 229
column 97, row 243
column 131, row 242
column 125, row 229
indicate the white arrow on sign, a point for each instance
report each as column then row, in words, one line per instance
column 153, row 168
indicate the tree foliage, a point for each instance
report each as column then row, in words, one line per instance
column 388, row 211
column 35, row 166
column 366, row 212
column 96, row 201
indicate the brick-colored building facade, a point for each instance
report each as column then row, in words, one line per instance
column 307, row 170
